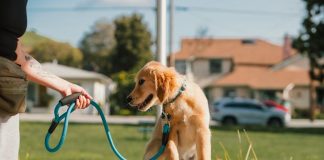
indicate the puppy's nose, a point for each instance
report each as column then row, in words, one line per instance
column 129, row 99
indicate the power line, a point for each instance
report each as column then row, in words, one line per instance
column 233, row 11
column 83, row 9
column 177, row 8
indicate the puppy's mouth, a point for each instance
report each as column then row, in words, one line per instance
column 148, row 99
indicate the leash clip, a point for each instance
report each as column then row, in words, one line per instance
column 166, row 118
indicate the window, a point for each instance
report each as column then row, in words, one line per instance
column 181, row 66
column 235, row 105
column 253, row 106
column 31, row 92
column 215, row 66
column 320, row 96
column 216, row 104
column 268, row 94
column 242, row 105
column 229, row 92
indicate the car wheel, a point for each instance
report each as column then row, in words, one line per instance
column 229, row 121
column 275, row 123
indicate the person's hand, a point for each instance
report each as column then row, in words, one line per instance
column 84, row 99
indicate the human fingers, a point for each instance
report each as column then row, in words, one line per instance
column 77, row 103
column 85, row 102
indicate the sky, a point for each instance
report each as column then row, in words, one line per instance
column 69, row 20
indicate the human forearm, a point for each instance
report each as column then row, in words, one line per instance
column 37, row 74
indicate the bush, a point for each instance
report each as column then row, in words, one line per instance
column 300, row 114
column 305, row 114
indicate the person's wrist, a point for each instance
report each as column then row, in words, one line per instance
column 65, row 88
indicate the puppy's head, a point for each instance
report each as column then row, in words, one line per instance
column 154, row 84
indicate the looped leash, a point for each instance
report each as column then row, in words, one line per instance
column 166, row 118
column 71, row 100
column 165, row 135
column 56, row 120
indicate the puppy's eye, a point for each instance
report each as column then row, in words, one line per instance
column 141, row 81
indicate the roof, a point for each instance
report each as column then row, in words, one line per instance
column 297, row 62
column 67, row 72
column 263, row 78
column 254, row 51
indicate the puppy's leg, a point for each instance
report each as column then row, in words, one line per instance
column 203, row 143
column 172, row 150
column 203, row 138
column 152, row 148
column 154, row 144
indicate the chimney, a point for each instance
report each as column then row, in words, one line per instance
column 286, row 48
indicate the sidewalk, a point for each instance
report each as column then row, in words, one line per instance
column 306, row 123
column 75, row 118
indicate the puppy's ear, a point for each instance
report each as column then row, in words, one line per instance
column 162, row 85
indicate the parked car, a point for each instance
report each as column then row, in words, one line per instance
column 232, row 111
column 270, row 103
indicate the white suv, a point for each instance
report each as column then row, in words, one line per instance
column 230, row 111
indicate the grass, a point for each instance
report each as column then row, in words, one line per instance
column 88, row 142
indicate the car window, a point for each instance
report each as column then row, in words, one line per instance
column 269, row 105
column 234, row 105
column 242, row 105
column 216, row 104
column 254, row 106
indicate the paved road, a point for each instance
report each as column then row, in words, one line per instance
column 295, row 123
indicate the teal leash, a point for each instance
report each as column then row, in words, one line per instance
column 71, row 100
column 165, row 138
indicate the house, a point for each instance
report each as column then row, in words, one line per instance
column 247, row 68
column 42, row 100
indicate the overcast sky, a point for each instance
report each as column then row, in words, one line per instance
column 68, row 20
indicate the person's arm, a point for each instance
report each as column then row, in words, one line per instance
column 37, row 74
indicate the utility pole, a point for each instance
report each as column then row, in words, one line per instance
column 161, row 37
column 171, row 27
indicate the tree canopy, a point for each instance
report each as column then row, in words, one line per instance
column 97, row 44
column 311, row 42
column 132, row 51
column 47, row 50
column 311, row 38
column 133, row 44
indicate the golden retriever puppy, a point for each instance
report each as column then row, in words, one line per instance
column 189, row 137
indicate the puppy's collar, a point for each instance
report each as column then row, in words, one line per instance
column 180, row 91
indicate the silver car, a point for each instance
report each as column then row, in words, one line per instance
column 232, row 111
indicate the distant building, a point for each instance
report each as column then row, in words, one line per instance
column 248, row 68
column 42, row 100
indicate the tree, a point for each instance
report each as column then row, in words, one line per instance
column 311, row 42
column 133, row 44
column 45, row 49
column 97, row 45
column 124, row 86
column 64, row 53
column 132, row 51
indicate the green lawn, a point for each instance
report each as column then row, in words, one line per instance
column 88, row 142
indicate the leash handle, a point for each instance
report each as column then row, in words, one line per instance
column 53, row 126
column 70, row 98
